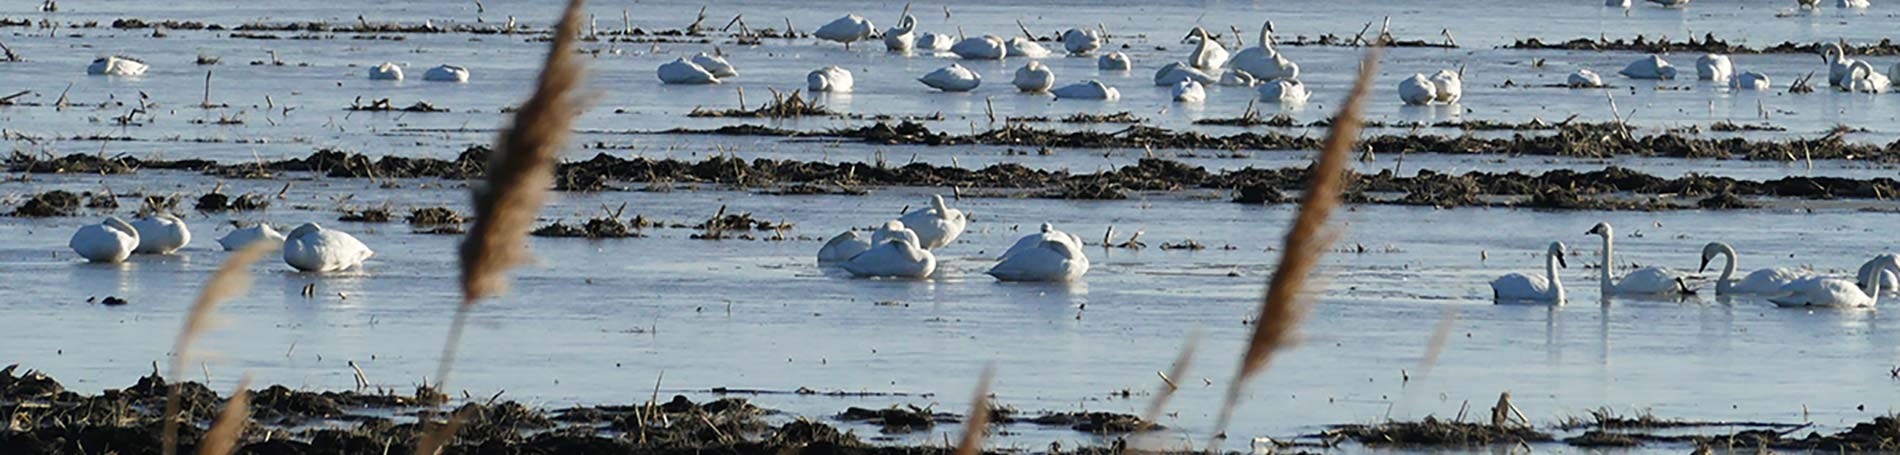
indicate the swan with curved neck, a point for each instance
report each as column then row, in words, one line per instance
column 1519, row 287
column 1643, row 281
column 1839, row 65
column 1835, row 292
column 1861, row 78
column 1764, row 281
column 1208, row 55
column 903, row 37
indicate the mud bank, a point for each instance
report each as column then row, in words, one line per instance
column 1708, row 43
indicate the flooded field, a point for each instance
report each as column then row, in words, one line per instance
column 1405, row 328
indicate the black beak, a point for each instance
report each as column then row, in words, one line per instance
column 1704, row 267
column 1560, row 260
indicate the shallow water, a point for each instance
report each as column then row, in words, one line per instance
column 598, row 321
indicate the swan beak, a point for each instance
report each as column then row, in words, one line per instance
column 1560, row 260
column 1704, row 267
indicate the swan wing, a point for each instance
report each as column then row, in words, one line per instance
column 1649, row 280
column 1768, row 281
column 1518, row 286
column 892, row 259
column 1828, row 292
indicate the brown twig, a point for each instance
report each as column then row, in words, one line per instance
column 229, row 428
column 977, row 425
column 231, row 279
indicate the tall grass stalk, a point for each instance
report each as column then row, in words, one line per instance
column 231, row 279
column 977, row 424
column 224, row 434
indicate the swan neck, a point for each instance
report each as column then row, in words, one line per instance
column 1609, row 260
column 1728, row 269
column 1550, row 273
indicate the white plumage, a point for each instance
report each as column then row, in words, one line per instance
column 245, row 236
column 953, row 78
column 1519, row 287
column 680, row 71
column 1034, row 78
column 829, row 79
column 937, row 225
column 1087, row 90
column 109, row 241
column 161, row 234
column 311, row 248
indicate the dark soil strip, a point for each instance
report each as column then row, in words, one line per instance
column 1708, row 44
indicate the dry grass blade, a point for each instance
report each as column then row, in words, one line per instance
column 231, row 279
column 224, row 434
column 1166, row 391
column 1285, row 302
column 1436, row 345
column 440, row 435
column 977, row 425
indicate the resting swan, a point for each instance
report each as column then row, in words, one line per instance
column 953, row 78
column 935, row 42
column 897, row 256
column 1764, row 281
column 1087, row 90
column 1050, row 255
column 248, row 235
column 311, row 248
column 387, row 71
column 446, row 73
column 1584, row 78
column 848, row 29
column 109, row 241
column 986, row 47
column 1417, row 90
column 829, row 79
column 1714, row 67
column 1188, row 92
column 1643, row 281
column 715, row 64
column 1450, row 86
column 1023, row 47
column 161, row 234
column 1174, row 73
column 843, row 247
column 1034, row 78
column 1834, row 292
column 936, row 226
column 114, row 65
column 1208, row 54
column 1518, row 287
column 1115, row 61
column 1081, row 42
column 680, row 71
column 1650, row 67
column 1752, row 80
column 1285, row 91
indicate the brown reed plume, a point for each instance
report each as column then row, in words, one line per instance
column 225, row 432
column 978, row 423
column 231, row 279
column 1286, row 301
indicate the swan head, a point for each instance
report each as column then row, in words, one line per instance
column 1048, row 228
column 1711, row 251
column 1860, row 69
column 305, row 229
column 1197, row 32
column 1601, row 229
column 936, row 202
column 1557, row 252
column 114, row 222
column 1833, row 53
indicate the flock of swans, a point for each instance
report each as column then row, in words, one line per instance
column 122, row 66
column 308, row 248
column 1787, row 287
column 901, row 248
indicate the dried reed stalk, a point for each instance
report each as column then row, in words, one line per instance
column 224, row 433
column 433, row 440
column 977, row 424
column 1166, row 391
column 231, row 279
column 1286, row 302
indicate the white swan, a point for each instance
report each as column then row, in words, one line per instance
column 903, row 37
column 1752, row 80
column 1861, row 78
column 937, row 225
column 1081, row 42
column 1174, row 73
column 114, row 65
column 1714, row 67
column 986, row 47
column 387, row 71
column 1023, row 47
column 1049, row 255
column 1625, row 4
column 843, row 247
column 1764, row 281
column 716, row 65
column 935, row 42
column 1238, row 78
column 109, row 241
column 1643, row 281
column 1854, row 3
column 680, row 71
column 1584, row 78
column 1087, row 90
column 895, row 257
column 1188, row 92
column 1871, row 269
column 849, row 29
column 1115, row 61
column 311, row 248
column 953, row 78
column 1450, row 86
column 245, row 236
column 1208, row 54
column 1671, row 3
column 1650, row 67
column 1259, row 58
column 829, row 79
column 1285, row 91
column 1034, row 78
column 1838, row 64
column 1518, row 287
column 446, row 73
column 1834, row 292
column 1417, row 90
column 161, row 234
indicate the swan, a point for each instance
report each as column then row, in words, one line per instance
column 935, row 42
column 1087, row 90
column 114, row 65
column 1888, row 280
column 1450, row 85
column 843, row 247
column 1114, row 62
column 446, row 73
column 1643, row 281
column 902, row 37
column 1081, row 42
column 1584, row 78
column 1208, row 55
column 1625, row 4
column 716, row 65
column 1050, row 255
column 1034, row 78
column 1764, row 281
column 245, row 236
column 1417, row 90
column 848, row 29
column 311, row 248
column 1854, row 3
column 385, row 72
column 829, row 79
column 1174, row 73
column 1650, row 67
column 1835, row 292
column 895, row 254
column 1023, row 47
column 1285, row 91
column 1189, row 92
column 1518, row 287
column 161, row 234
column 953, row 78
column 1259, row 58
column 1670, row 3
column 1863, row 79
column 986, row 47
column 1238, row 78
column 1838, row 64
column 1713, row 67
column 936, row 226
column 109, row 241
column 680, row 71
column 1752, row 80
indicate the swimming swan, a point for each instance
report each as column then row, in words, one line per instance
column 843, row 247
column 1833, row 292
column 1050, row 255
column 1188, row 92
column 953, row 78
column 903, row 37
column 1650, row 67
column 1023, row 47
column 311, row 248
column 1764, row 281
column 114, row 65
column 829, row 79
column 1518, row 287
column 1417, row 90
column 1115, row 61
column 716, row 65
column 1752, row 80
column 385, row 72
column 1838, row 64
column 446, row 73
column 109, row 241
column 161, row 234
column 1174, row 73
column 1208, row 54
column 1285, row 91
column 1861, row 78
column 1087, row 90
column 245, row 236
column 897, row 257
column 848, row 29
column 1714, row 67
column 1081, row 42
column 1034, row 78
column 986, row 47
column 1264, row 61
column 936, row 226
column 1643, row 281
column 680, row 71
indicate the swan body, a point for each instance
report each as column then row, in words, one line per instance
column 1854, row 3
column 1208, row 54
column 1714, row 67
column 1050, row 255
column 107, row 242
column 1023, row 47
column 1174, row 73
column 849, row 29
column 1764, row 281
column 446, row 73
column 1256, row 59
column 1752, row 80
column 114, row 65
column 1450, row 86
column 937, row 225
column 829, row 79
column 1670, row 3
column 894, row 253
column 986, row 47
column 1625, row 4
column 843, row 247
column 1417, row 90
column 1034, row 78
column 1643, row 281
column 903, row 37
column 1650, row 67
column 1838, row 64
column 1285, row 91
column 1519, row 287
column 1087, row 90
column 953, row 78
column 245, row 236
column 1047, row 233
column 1861, row 78
column 1238, row 78
column 1188, row 92
column 161, row 234
column 387, row 71
column 680, row 71
column 1081, row 42
column 311, row 248
column 935, row 42
column 716, row 65
column 1584, row 78
column 1837, row 292
column 1115, row 61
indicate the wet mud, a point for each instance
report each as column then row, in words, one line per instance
column 1707, row 43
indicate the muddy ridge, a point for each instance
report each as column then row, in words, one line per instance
column 1708, row 43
